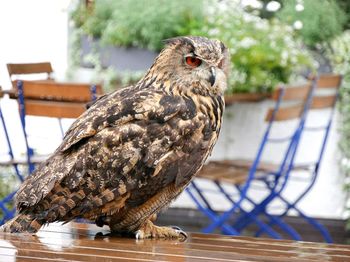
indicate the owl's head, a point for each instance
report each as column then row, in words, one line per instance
column 193, row 62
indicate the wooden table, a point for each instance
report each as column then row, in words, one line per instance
column 85, row 242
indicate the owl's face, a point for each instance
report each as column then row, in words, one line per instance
column 195, row 63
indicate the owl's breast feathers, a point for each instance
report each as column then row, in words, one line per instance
column 122, row 151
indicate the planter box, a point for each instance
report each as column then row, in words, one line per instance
column 245, row 97
column 120, row 58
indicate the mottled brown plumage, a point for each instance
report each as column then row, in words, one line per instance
column 134, row 150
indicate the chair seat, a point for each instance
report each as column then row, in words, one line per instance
column 226, row 171
column 221, row 172
column 235, row 171
column 247, row 163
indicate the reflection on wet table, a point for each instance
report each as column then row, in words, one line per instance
column 86, row 242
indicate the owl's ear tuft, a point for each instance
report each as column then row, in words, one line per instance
column 181, row 40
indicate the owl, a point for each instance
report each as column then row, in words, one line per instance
column 134, row 150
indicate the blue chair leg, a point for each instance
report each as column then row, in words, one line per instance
column 210, row 214
column 318, row 226
column 10, row 151
column 272, row 233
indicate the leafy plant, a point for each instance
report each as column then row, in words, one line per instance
column 93, row 21
column 339, row 54
column 263, row 53
column 8, row 183
column 345, row 6
column 141, row 23
column 321, row 20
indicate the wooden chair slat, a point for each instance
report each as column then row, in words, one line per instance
column 16, row 71
column 247, row 163
column 320, row 102
column 329, row 81
column 286, row 113
column 29, row 68
column 54, row 108
column 298, row 92
column 222, row 173
column 51, row 90
column 23, row 161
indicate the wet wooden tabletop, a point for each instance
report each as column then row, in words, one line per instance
column 85, row 242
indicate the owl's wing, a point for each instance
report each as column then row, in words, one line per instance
column 114, row 110
column 119, row 108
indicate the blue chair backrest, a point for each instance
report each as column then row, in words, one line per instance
column 325, row 98
column 52, row 99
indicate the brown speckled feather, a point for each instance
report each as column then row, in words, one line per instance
column 129, row 146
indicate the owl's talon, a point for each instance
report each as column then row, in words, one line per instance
column 148, row 230
column 139, row 235
column 180, row 232
column 176, row 227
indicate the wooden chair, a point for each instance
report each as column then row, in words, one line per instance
column 237, row 171
column 291, row 103
column 222, row 170
column 52, row 99
column 20, row 71
column 324, row 99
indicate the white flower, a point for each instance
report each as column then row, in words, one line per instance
column 247, row 42
column 299, row 7
column 284, row 55
column 298, row 25
column 214, row 31
column 273, row 6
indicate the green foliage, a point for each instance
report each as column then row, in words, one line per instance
column 263, row 53
column 322, row 19
column 141, row 23
column 93, row 21
column 8, row 183
column 339, row 54
column 345, row 6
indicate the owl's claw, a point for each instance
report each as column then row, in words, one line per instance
column 180, row 231
column 139, row 235
column 148, row 230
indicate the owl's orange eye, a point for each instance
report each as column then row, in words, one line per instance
column 193, row 61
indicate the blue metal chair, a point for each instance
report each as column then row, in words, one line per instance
column 236, row 173
column 324, row 99
column 51, row 99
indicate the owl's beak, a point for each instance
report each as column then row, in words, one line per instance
column 212, row 75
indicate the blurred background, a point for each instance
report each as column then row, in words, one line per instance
column 114, row 42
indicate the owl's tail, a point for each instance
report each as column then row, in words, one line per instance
column 22, row 223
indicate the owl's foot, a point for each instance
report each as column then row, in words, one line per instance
column 149, row 230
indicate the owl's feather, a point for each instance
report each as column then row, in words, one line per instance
column 127, row 151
